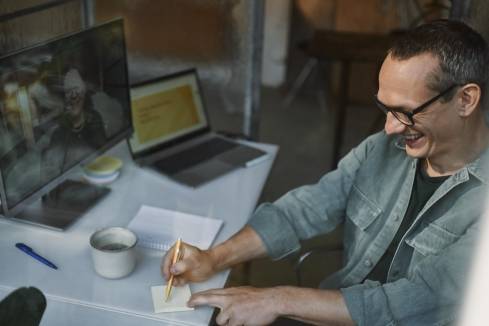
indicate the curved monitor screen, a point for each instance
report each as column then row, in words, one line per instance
column 61, row 103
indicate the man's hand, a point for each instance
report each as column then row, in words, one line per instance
column 253, row 306
column 242, row 305
column 195, row 265
column 198, row 265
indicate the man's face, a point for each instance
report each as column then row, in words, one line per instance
column 402, row 84
column 74, row 97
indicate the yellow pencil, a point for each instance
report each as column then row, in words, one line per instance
column 176, row 256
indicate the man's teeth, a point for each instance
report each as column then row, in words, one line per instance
column 413, row 137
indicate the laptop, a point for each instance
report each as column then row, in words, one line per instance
column 172, row 133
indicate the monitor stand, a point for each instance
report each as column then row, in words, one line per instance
column 63, row 205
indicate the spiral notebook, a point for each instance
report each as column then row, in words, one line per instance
column 159, row 228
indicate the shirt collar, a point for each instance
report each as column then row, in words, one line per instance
column 478, row 168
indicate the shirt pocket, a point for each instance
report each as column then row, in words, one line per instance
column 432, row 239
column 360, row 210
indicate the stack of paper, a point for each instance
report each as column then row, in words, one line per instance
column 159, row 228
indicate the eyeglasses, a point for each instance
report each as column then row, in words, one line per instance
column 406, row 117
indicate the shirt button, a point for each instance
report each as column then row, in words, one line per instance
column 367, row 263
column 396, row 217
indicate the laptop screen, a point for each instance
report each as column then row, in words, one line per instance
column 165, row 109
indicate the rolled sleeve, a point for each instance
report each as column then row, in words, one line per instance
column 404, row 303
column 301, row 214
column 309, row 210
column 367, row 304
column 278, row 237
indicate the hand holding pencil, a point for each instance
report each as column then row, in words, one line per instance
column 190, row 265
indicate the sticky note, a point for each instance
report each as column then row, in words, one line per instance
column 176, row 302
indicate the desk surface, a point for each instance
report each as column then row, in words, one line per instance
column 78, row 296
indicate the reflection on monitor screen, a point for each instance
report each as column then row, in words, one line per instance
column 62, row 103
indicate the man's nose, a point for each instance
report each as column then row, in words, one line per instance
column 393, row 126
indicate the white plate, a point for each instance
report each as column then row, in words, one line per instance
column 99, row 180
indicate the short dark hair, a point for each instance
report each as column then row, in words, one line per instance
column 462, row 52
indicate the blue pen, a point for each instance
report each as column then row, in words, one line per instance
column 28, row 250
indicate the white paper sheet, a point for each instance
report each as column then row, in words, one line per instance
column 159, row 228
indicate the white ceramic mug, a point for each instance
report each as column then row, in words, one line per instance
column 113, row 252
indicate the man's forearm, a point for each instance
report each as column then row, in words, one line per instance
column 313, row 305
column 243, row 246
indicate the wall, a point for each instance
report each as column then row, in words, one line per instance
column 37, row 27
column 366, row 16
column 276, row 42
column 213, row 36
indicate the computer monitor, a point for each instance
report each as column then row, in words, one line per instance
column 62, row 103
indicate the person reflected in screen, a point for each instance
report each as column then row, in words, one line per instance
column 410, row 199
column 80, row 129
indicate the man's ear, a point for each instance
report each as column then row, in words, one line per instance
column 470, row 97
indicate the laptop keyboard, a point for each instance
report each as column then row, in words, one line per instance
column 194, row 155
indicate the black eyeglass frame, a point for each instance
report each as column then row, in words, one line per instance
column 410, row 114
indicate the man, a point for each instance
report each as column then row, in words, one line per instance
column 410, row 198
column 80, row 128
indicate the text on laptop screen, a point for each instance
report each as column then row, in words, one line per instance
column 165, row 109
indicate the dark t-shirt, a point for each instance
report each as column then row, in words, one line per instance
column 68, row 146
column 423, row 188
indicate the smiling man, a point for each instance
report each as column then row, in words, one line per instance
column 410, row 198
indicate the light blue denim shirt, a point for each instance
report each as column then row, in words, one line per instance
column 369, row 193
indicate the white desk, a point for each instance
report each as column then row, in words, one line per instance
column 74, row 288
